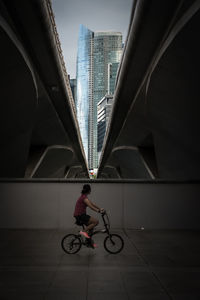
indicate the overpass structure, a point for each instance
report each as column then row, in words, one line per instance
column 153, row 133
column 154, row 127
column 39, row 131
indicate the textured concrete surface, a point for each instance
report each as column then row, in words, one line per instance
column 154, row 265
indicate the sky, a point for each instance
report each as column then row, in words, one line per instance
column 97, row 15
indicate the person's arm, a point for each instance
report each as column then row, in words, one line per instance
column 92, row 205
column 99, row 209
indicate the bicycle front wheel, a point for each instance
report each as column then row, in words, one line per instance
column 71, row 243
column 113, row 243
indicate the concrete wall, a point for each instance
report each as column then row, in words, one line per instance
column 130, row 205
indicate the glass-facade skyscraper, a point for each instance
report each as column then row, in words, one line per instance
column 99, row 54
column 107, row 50
column 84, row 84
column 112, row 74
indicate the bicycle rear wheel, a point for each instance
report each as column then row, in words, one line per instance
column 113, row 243
column 71, row 243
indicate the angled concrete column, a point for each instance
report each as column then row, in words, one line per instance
column 53, row 162
column 18, row 96
column 130, row 163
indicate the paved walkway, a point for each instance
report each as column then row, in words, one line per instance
column 154, row 265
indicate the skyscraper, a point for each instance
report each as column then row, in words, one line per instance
column 98, row 52
column 73, row 88
column 84, row 82
column 107, row 51
column 112, row 74
column 104, row 108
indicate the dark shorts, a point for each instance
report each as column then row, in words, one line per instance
column 82, row 219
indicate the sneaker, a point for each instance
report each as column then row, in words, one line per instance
column 87, row 242
column 93, row 246
column 85, row 234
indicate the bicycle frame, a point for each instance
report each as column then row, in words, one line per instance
column 113, row 243
column 106, row 225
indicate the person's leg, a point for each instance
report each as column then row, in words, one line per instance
column 89, row 229
column 91, row 224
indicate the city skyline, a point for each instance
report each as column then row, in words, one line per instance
column 97, row 52
column 105, row 15
column 107, row 51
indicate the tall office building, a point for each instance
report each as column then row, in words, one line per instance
column 107, row 51
column 84, row 93
column 73, row 88
column 98, row 53
column 112, row 74
column 104, row 108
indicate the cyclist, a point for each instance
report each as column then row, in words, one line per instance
column 80, row 211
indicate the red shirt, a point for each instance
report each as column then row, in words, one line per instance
column 80, row 207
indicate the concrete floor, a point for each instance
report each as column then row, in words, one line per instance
column 154, row 265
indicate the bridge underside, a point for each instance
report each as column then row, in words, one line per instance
column 39, row 131
column 154, row 128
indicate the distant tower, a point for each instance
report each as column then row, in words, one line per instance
column 84, row 82
column 99, row 54
column 73, row 88
column 107, row 51
column 104, row 108
column 112, row 74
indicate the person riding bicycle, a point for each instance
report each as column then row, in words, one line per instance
column 80, row 211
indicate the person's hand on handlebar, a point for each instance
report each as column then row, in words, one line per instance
column 102, row 210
